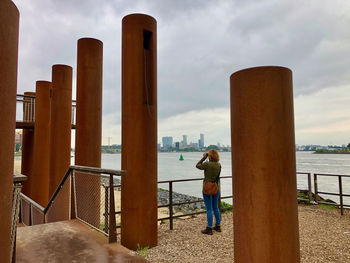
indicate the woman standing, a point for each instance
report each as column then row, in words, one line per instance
column 212, row 171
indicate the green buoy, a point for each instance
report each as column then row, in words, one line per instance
column 181, row 158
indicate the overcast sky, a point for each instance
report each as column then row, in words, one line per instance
column 200, row 44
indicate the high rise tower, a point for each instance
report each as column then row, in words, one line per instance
column 184, row 141
column 201, row 140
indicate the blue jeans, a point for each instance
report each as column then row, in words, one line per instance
column 212, row 204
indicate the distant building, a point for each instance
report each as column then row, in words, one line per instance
column 158, row 146
column 177, row 145
column 18, row 138
column 184, row 141
column 167, row 141
column 201, row 141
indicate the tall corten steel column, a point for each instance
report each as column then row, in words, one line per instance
column 263, row 166
column 41, row 160
column 9, row 20
column 60, row 140
column 139, row 131
column 88, row 133
column 27, row 144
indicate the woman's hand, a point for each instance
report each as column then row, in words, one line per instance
column 205, row 154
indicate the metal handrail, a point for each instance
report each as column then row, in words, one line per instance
column 97, row 170
column 71, row 168
column 334, row 175
column 191, row 179
column 18, row 179
column 309, row 183
column 58, row 189
column 85, row 169
column 340, row 194
column 30, row 100
column 33, row 203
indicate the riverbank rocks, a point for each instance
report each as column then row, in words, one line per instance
column 303, row 196
column 163, row 199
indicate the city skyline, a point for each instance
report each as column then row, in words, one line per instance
column 200, row 44
column 168, row 141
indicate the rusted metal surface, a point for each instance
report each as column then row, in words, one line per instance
column 263, row 166
column 68, row 241
column 60, row 139
column 139, row 131
column 24, row 125
column 9, row 18
column 41, row 160
column 88, row 133
column 27, row 143
column 39, row 215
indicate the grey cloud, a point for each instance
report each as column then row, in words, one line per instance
column 200, row 44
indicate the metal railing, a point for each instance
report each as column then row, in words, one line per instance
column 18, row 180
column 310, row 196
column 37, row 214
column 108, row 216
column 309, row 188
column 171, row 204
column 340, row 193
column 25, row 112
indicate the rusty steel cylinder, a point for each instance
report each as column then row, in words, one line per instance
column 60, row 139
column 139, row 131
column 41, row 159
column 28, row 142
column 9, row 21
column 263, row 166
column 88, row 134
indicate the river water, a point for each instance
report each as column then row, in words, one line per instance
column 170, row 168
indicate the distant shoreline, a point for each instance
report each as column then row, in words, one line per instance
column 326, row 151
column 331, row 152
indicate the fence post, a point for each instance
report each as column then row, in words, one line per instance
column 316, row 187
column 106, row 208
column 341, row 195
column 112, row 224
column 171, row 205
column 309, row 186
column 30, row 214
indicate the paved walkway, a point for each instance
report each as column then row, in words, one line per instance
column 68, row 241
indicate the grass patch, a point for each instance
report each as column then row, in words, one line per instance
column 330, row 207
column 226, row 206
column 142, row 251
column 303, row 196
column 164, row 221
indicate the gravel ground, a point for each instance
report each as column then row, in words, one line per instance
column 324, row 237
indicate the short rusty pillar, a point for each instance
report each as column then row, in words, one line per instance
column 263, row 166
column 60, row 139
column 28, row 142
column 9, row 18
column 41, row 160
column 88, row 132
column 139, row 131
